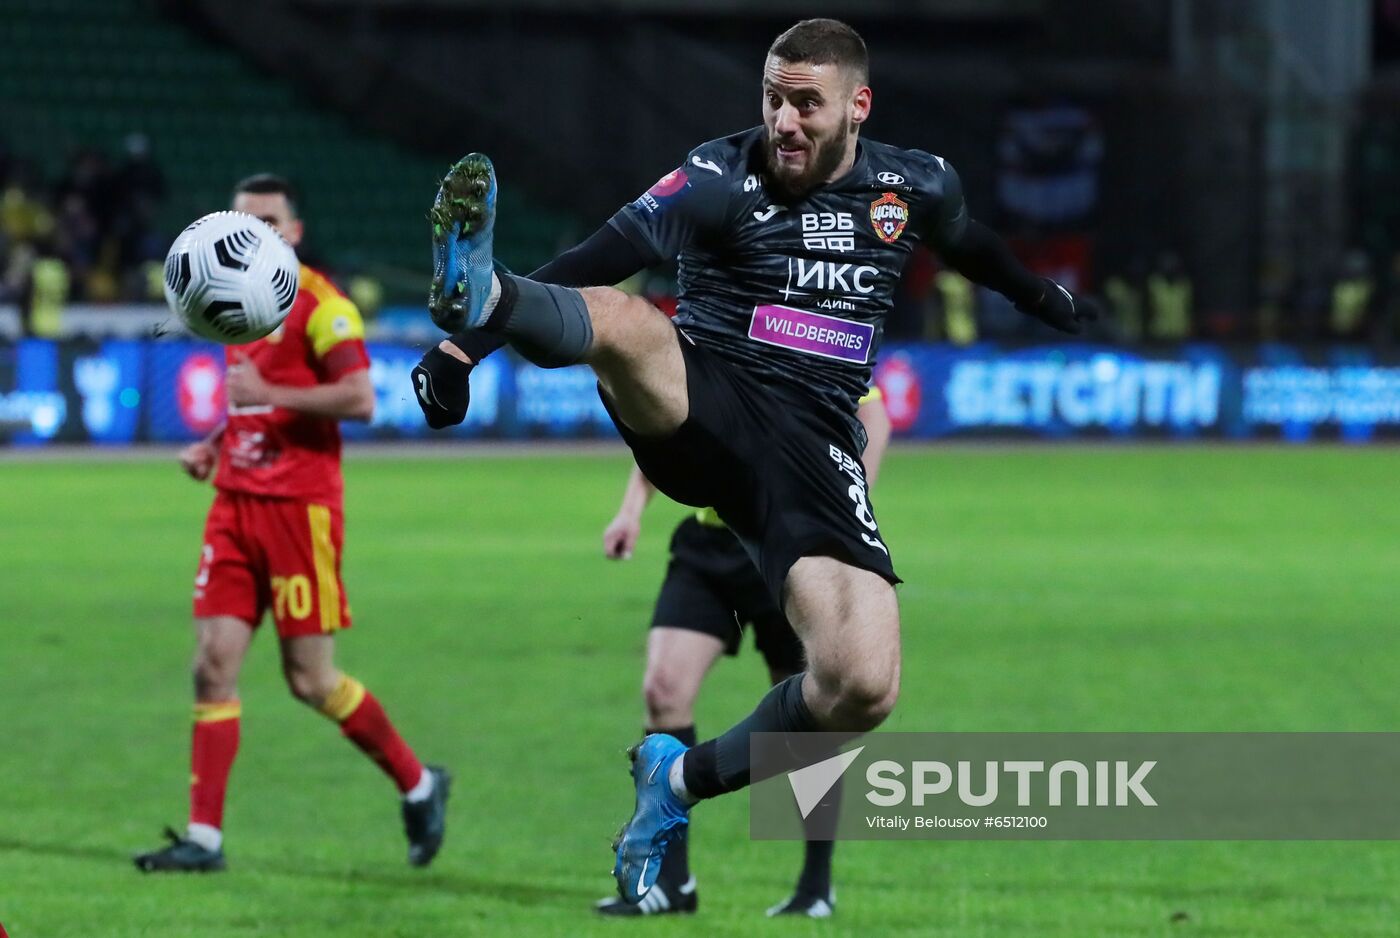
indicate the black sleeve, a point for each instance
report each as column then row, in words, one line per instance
column 983, row 257
column 686, row 205
column 973, row 249
column 949, row 223
column 605, row 258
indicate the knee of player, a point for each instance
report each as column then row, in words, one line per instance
column 878, row 710
column 874, row 697
column 607, row 302
column 623, row 324
column 866, row 698
column 215, row 675
column 311, row 687
column 664, row 692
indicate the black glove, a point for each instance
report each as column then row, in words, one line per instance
column 1057, row 309
column 441, row 388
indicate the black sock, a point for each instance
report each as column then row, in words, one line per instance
column 546, row 324
column 721, row 764
column 815, row 879
column 675, row 866
column 476, row 344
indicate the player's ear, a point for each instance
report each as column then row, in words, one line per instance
column 294, row 232
column 860, row 104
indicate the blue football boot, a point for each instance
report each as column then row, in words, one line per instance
column 659, row 818
column 464, row 222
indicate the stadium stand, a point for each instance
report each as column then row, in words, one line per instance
column 93, row 76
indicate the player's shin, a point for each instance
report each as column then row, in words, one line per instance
column 548, row 325
column 363, row 721
column 721, row 764
column 214, row 745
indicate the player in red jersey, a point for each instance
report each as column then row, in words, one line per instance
column 273, row 541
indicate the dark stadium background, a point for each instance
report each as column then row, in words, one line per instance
column 1218, row 174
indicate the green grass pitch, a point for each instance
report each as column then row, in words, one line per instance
column 1127, row 589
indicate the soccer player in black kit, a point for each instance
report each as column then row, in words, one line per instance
column 790, row 239
column 711, row 594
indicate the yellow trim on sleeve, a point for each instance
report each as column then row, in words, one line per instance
column 323, row 557
column 333, row 321
column 218, row 712
column 344, row 700
column 874, row 394
column 334, row 318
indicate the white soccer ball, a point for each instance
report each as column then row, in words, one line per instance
column 231, row 278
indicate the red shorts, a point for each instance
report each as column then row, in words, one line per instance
column 273, row 553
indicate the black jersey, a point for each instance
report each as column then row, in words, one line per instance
column 797, row 294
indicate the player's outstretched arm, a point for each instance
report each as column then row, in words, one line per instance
column 981, row 256
column 876, row 420
column 621, row 535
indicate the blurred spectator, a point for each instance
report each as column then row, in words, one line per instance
column 77, row 236
column 959, row 302
column 24, row 221
column 98, row 223
column 140, row 245
column 89, row 183
column 1349, row 316
column 16, row 265
column 23, row 216
column 367, row 293
column 138, row 178
column 1125, row 292
column 48, row 292
column 1169, row 301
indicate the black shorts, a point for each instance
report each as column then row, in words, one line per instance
column 712, row 587
column 785, row 476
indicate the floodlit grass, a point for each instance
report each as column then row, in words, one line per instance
column 1047, row 589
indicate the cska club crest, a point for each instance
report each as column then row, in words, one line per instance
column 889, row 215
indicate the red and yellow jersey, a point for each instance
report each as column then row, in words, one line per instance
column 282, row 453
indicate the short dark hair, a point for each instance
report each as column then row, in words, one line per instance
column 823, row 42
column 268, row 184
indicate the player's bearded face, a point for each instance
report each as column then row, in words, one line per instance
column 806, row 111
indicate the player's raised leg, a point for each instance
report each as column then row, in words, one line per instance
column 630, row 344
column 848, row 620
column 221, row 645
column 308, row 665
